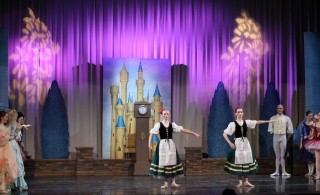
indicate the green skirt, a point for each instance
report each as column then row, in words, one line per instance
column 240, row 169
column 165, row 171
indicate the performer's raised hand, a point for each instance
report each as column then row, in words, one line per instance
column 26, row 126
column 196, row 134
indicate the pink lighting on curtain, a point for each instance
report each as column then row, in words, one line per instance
column 243, row 60
column 33, row 62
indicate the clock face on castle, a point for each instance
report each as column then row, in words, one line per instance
column 142, row 109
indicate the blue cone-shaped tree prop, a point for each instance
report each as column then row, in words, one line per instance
column 219, row 117
column 269, row 108
column 54, row 126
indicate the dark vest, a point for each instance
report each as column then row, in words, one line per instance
column 165, row 133
column 238, row 133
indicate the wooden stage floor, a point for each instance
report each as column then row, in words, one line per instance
column 199, row 185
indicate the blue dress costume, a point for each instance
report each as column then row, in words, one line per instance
column 166, row 162
column 20, row 183
column 241, row 161
column 305, row 155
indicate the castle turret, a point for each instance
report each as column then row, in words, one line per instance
column 114, row 91
column 147, row 98
column 120, row 129
column 130, row 105
column 156, row 104
column 120, row 107
column 124, row 78
column 131, row 125
column 140, row 84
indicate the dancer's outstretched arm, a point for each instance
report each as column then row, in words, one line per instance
column 263, row 121
column 190, row 132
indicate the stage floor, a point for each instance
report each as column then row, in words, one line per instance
column 200, row 185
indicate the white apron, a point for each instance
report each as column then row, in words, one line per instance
column 243, row 154
column 167, row 153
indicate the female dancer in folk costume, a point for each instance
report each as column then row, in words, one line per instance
column 241, row 160
column 8, row 166
column 166, row 162
column 20, row 183
column 313, row 144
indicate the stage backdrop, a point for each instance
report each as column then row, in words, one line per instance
column 125, row 82
column 67, row 40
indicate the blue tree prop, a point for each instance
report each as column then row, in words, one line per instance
column 269, row 108
column 54, row 126
column 219, row 117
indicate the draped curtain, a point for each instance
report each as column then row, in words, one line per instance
column 67, row 39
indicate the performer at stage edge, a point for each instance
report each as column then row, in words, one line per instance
column 20, row 184
column 279, row 129
column 19, row 134
column 305, row 155
column 313, row 144
column 166, row 162
column 241, row 160
column 8, row 166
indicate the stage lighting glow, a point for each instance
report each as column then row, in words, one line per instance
column 34, row 58
column 243, row 57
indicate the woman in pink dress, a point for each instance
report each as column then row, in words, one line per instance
column 313, row 144
column 8, row 165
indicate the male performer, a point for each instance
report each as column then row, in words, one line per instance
column 279, row 129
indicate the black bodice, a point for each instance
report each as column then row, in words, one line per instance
column 240, row 133
column 165, row 132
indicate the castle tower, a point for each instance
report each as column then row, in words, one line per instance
column 140, row 84
column 156, row 104
column 114, row 91
column 124, row 78
column 130, row 105
column 147, row 98
column 120, row 107
column 120, row 129
column 131, row 125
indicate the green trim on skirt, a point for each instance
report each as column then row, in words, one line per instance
column 165, row 171
column 240, row 169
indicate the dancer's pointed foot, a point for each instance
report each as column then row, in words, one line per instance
column 174, row 185
column 247, row 183
column 275, row 174
column 240, row 184
column 165, row 186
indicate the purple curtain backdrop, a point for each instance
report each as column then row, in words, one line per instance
column 192, row 32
